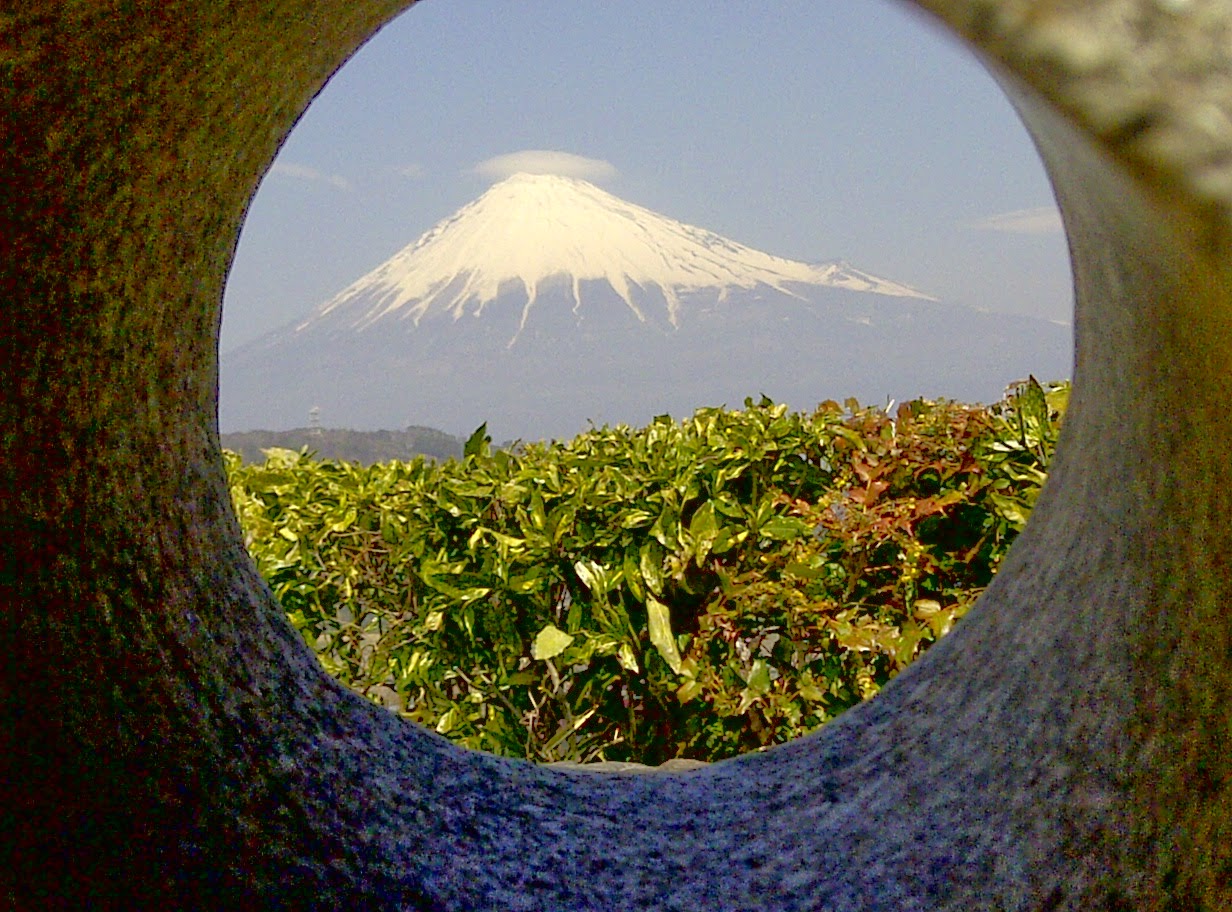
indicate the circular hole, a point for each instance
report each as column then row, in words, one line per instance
column 804, row 139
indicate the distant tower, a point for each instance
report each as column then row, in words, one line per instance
column 314, row 421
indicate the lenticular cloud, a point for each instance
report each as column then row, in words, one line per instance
column 543, row 161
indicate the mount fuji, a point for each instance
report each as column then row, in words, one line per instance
column 548, row 303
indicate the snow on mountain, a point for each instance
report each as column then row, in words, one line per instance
column 531, row 228
column 592, row 309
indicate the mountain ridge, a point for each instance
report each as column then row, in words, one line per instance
column 363, row 447
column 492, row 317
column 532, row 228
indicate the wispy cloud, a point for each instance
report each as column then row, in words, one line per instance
column 1040, row 220
column 542, row 161
column 309, row 174
column 413, row 171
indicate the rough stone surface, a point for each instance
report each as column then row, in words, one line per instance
column 168, row 741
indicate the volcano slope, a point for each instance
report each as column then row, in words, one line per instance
column 170, row 742
column 548, row 302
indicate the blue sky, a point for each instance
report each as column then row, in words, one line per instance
column 846, row 129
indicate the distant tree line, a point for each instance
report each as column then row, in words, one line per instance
column 364, row 447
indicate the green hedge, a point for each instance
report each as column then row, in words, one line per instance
column 688, row 589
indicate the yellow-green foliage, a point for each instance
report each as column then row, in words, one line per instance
column 688, row 589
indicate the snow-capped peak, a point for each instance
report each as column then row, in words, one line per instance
column 533, row 227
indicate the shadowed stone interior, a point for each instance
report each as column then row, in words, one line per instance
column 169, row 742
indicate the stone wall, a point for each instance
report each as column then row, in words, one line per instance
column 170, row 742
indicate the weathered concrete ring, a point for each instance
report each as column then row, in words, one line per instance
column 170, row 742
